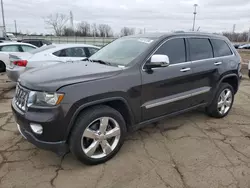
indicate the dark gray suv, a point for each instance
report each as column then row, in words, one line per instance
column 89, row 106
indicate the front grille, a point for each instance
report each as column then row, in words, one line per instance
column 21, row 97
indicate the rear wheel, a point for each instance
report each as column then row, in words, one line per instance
column 249, row 73
column 98, row 135
column 2, row 66
column 223, row 101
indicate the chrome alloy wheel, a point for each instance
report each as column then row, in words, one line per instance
column 225, row 101
column 100, row 137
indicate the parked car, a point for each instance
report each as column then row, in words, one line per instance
column 237, row 46
column 89, row 107
column 16, row 48
column 37, row 42
column 47, row 55
column 244, row 46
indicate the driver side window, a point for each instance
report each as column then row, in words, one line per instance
column 174, row 49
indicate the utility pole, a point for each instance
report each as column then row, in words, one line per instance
column 15, row 27
column 4, row 29
column 71, row 20
column 195, row 6
column 248, row 37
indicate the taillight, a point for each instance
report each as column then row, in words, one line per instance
column 21, row 63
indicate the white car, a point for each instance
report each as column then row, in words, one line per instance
column 15, row 48
column 245, row 46
column 48, row 55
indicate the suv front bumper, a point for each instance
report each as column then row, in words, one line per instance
column 59, row 147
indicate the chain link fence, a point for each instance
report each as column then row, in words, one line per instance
column 97, row 41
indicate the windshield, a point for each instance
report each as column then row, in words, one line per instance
column 122, row 51
column 43, row 48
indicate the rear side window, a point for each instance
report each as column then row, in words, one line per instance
column 71, row 52
column 174, row 49
column 220, row 48
column 10, row 48
column 27, row 48
column 200, row 49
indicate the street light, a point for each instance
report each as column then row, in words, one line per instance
column 195, row 6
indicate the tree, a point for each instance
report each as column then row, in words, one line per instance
column 68, row 31
column 94, row 30
column 125, row 31
column 57, row 22
column 140, row 31
column 105, row 30
column 84, row 29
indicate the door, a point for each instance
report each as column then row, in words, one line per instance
column 204, row 69
column 166, row 90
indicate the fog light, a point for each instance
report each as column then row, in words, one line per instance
column 36, row 128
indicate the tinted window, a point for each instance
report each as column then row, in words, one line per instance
column 200, row 49
column 10, row 48
column 174, row 49
column 220, row 48
column 71, row 52
column 36, row 43
column 92, row 50
column 27, row 48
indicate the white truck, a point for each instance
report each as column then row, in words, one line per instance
column 7, row 36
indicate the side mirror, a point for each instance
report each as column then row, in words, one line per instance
column 157, row 60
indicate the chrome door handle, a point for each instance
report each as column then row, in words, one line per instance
column 185, row 69
column 217, row 63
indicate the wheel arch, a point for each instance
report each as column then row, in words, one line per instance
column 231, row 79
column 3, row 65
column 118, row 103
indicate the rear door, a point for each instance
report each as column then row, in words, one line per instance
column 204, row 69
column 222, row 54
column 166, row 90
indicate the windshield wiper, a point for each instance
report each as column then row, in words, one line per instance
column 100, row 61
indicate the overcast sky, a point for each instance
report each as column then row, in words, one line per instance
column 154, row 15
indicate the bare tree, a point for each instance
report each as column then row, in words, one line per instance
column 67, row 31
column 105, row 30
column 236, row 37
column 94, row 29
column 125, row 31
column 57, row 22
column 84, row 28
column 140, row 31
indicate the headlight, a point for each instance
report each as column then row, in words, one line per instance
column 44, row 98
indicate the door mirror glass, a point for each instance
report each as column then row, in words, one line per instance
column 158, row 60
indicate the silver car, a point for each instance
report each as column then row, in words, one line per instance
column 48, row 55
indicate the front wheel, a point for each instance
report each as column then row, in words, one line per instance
column 223, row 101
column 98, row 135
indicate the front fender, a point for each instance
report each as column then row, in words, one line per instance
column 93, row 103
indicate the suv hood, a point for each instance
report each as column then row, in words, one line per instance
column 51, row 78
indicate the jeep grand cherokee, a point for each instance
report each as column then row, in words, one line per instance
column 89, row 106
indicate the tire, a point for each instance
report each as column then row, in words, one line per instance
column 249, row 73
column 91, row 120
column 213, row 109
column 2, row 67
